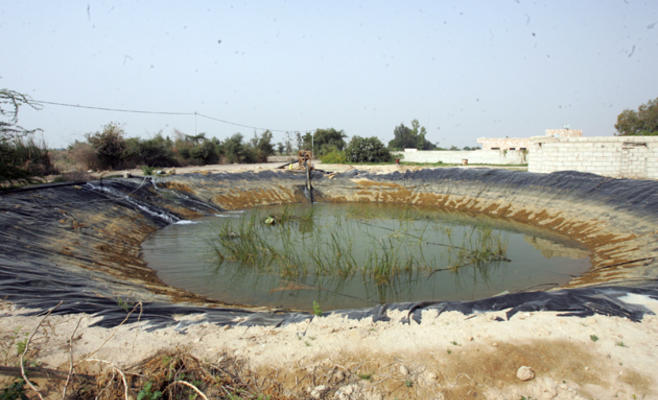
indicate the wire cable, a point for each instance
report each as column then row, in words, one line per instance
column 113, row 109
column 183, row 113
column 243, row 125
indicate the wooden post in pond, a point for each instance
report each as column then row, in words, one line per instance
column 305, row 157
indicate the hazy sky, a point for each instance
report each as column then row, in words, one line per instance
column 464, row 69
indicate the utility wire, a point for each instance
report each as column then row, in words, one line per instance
column 113, row 109
column 126, row 110
column 242, row 125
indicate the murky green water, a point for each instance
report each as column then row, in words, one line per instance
column 355, row 255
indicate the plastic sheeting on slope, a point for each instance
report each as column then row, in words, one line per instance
column 39, row 222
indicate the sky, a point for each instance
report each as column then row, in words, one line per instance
column 464, row 69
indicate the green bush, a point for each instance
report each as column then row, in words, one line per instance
column 327, row 140
column 366, row 150
column 146, row 170
column 197, row 149
column 22, row 158
column 256, row 150
column 233, row 149
column 334, row 157
column 109, row 146
column 155, row 152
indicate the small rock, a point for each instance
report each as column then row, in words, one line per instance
column 428, row 378
column 525, row 373
column 345, row 392
column 319, row 391
column 339, row 376
column 404, row 370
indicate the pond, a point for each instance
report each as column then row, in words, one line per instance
column 357, row 254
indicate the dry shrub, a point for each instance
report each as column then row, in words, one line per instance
column 226, row 379
column 83, row 156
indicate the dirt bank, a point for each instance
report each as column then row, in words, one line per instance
column 451, row 356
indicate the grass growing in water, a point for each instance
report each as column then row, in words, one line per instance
column 293, row 245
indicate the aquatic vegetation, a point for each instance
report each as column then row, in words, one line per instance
column 293, row 245
column 351, row 255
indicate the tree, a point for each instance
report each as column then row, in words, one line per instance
column 233, row 148
column 263, row 145
column 304, row 142
column 109, row 145
column 20, row 156
column 327, row 140
column 288, row 144
column 10, row 103
column 403, row 137
column 414, row 137
column 644, row 121
column 366, row 150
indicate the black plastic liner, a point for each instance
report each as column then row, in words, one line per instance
column 29, row 279
column 45, row 291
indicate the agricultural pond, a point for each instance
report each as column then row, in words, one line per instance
column 352, row 255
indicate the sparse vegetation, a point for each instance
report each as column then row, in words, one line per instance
column 271, row 243
column 146, row 170
column 147, row 394
column 20, row 346
column 334, row 157
column 123, row 304
column 316, row 308
column 15, row 391
column 176, row 375
column 593, row 338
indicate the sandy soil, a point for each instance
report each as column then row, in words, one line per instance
column 451, row 356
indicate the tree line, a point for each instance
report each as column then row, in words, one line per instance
column 22, row 156
column 110, row 149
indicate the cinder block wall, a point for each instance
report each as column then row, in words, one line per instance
column 614, row 156
column 456, row 156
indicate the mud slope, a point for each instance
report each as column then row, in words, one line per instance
column 81, row 242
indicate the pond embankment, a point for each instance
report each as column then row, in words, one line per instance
column 79, row 244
